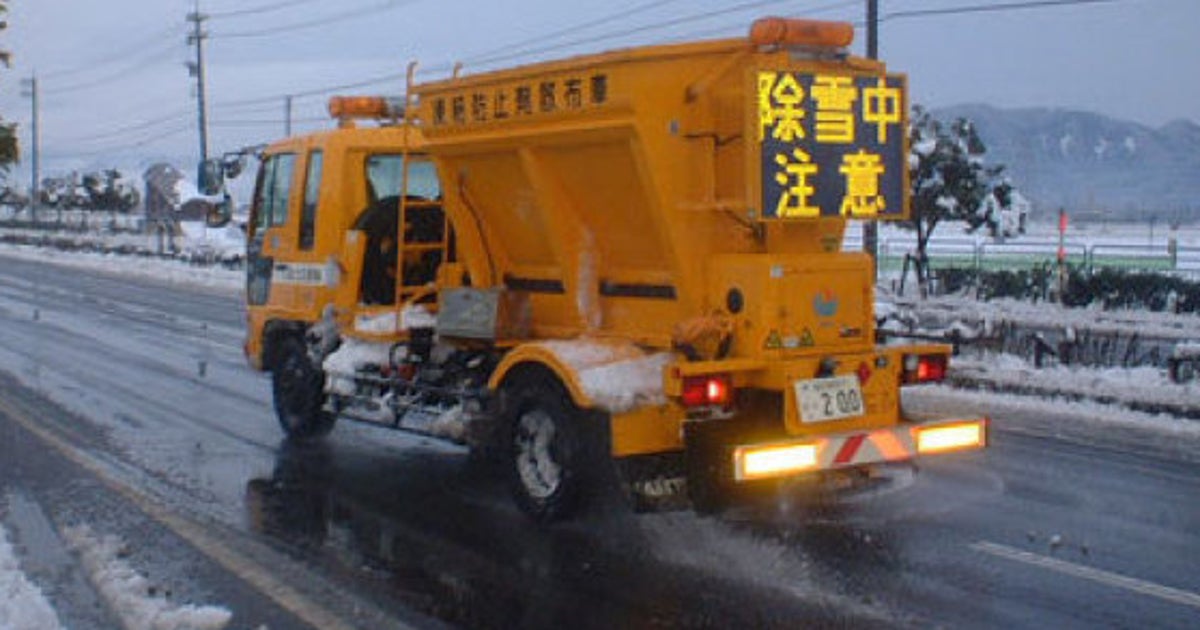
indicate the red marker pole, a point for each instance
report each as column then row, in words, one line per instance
column 1062, row 252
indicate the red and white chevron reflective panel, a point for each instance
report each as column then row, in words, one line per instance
column 869, row 447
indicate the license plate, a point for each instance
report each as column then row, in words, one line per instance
column 824, row 399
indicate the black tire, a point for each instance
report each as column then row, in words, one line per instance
column 549, row 456
column 298, row 387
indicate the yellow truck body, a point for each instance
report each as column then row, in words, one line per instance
column 635, row 254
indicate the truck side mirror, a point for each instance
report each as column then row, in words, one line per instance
column 211, row 177
column 234, row 165
column 219, row 214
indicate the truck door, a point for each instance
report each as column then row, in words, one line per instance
column 268, row 219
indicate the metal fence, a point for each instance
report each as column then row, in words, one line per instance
column 1026, row 253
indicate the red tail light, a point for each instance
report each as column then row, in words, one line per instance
column 707, row 390
column 925, row 368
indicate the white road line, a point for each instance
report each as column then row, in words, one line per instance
column 1174, row 595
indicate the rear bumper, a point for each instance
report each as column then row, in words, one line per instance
column 857, row 448
column 724, row 463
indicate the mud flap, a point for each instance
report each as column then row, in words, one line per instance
column 654, row 483
column 709, row 462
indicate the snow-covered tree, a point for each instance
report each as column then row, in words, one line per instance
column 1004, row 211
column 948, row 178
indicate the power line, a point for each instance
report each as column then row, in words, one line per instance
column 264, row 122
column 986, row 8
column 445, row 67
column 387, row 5
column 745, row 6
column 135, row 49
column 141, row 64
column 713, row 32
column 387, row 78
column 148, row 124
column 641, row 8
column 249, row 108
column 268, row 8
column 170, row 133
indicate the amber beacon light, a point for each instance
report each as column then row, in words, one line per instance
column 777, row 31
column 343, row 107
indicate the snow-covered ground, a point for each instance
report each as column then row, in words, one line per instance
column 22, row 604
column 171, row 271
column 129, row 594
column 133, row 597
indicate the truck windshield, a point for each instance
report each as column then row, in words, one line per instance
column 386, row 176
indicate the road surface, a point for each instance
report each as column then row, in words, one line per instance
column 128, row 406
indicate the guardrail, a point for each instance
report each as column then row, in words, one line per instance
column 1025, row 253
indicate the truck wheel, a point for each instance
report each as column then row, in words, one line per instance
column 298, row 388
column 547, row 452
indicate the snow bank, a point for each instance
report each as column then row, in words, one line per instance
column 160, row 270
column 1068, row 418
column 132, row 597
column 22, row 605
column 223, row 243
column 1120, row 385
column 1186, row 351
column 616, row 377
column 946, row 309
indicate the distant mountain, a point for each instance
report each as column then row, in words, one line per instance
column 1092, row 164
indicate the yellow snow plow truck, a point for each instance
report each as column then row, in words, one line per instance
column 622, row 269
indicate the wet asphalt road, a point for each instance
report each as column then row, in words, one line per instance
column 1042, row 530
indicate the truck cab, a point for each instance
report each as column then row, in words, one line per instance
column 324, row 230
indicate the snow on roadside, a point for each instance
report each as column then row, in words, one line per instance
column 1122, row 385
column 138, row 603
column 948, row 309
column 160, row 270
column 1082, row 422
column 22, row 604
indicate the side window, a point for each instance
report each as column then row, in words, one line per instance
column 312, row 192
column 281, row 188
column 258, row 214
column 423, row 180
column 385, row 175
column 274, row 188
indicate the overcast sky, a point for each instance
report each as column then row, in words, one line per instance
column 115, row 89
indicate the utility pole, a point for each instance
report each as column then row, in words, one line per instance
column 871, row 227
column 30, row 89
column 196, row 38
column 287, row 116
